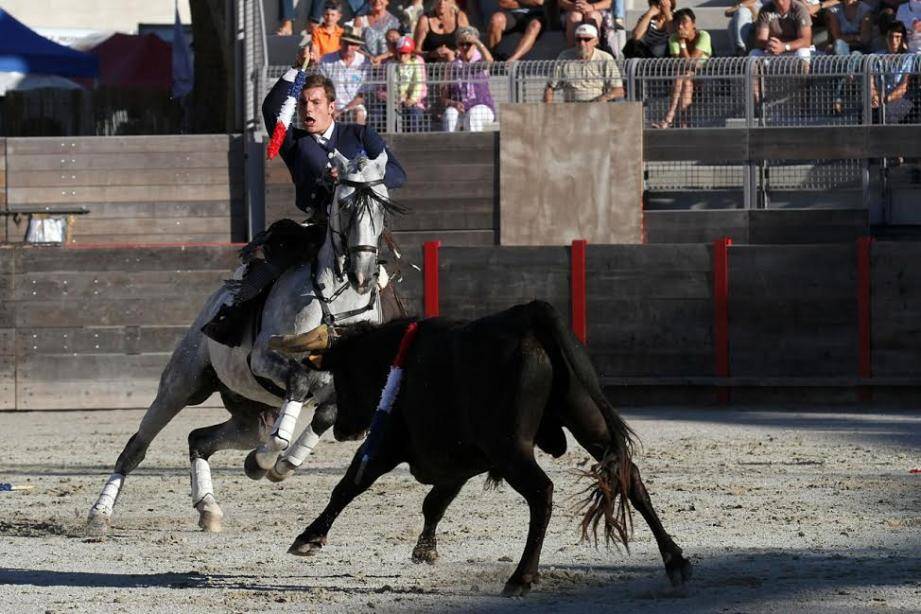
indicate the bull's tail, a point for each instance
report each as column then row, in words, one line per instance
column 605, row 500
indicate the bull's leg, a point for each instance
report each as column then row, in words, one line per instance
column 314, row 536
column 433, row 508
column 238, row 433
column 263, row 458
column 294, row 456
column 530, row 481
column 185, row 381
column 677, row 567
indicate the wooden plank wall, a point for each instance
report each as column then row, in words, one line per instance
column 139, row 190
column 451, row 191
column 93, row 328
column 896, row 309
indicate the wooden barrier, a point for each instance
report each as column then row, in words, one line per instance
column 139, row 190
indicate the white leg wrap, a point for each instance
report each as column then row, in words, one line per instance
column 201, row 481
column 303, row 447
column 267, row 453
column 106, row 501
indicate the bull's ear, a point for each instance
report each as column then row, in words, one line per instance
column 316, row 340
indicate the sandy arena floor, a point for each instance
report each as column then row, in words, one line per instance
column 779, row 512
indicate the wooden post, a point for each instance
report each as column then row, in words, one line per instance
column 864, row 357
column 577, row 289
column 721, row 313
column 430, row 278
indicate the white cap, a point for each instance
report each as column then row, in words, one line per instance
column 587, row 29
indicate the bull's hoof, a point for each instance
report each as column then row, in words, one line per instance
column 281, row 471
column 97, row 524
column 306, row 546
column 251, row 467
column 425, row 553
column 679, row 570
column 516, row 589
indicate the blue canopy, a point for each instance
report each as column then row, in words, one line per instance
column 22, row 50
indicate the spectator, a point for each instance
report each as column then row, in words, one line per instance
column 889, row 87
column 741, row 24
column 690, row 44
column 436, row 32
column 346, row 69
column 909, row 14
column 575, row 12
column 411, row 85
column 392, row 37
column 285, row 18
column 650, row 36
column 468, row 100
column 784, row 27
column 317, row 7
column 411, row 15
column 851, row 26
column 584, row 72
column 374, row 27
column 525, row 16
column 325, row 37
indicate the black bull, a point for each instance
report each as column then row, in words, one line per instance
column 477, row 397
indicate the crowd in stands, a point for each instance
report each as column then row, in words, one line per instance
column 441, row 33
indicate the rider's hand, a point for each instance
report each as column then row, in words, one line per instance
column 302, row 54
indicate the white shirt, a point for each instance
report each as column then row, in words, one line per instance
column 323, row 139
column 347, row 78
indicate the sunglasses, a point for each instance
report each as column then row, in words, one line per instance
column 585, row 40
column 466, row 45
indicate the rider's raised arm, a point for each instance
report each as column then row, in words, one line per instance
column 272, row 105
column 394, row 175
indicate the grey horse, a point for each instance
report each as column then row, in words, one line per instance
column 254, row 381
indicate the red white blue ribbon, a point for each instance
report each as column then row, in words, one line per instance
column 286, row 114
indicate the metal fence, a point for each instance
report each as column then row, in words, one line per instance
column 826, row 90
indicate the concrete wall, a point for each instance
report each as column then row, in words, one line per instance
column 118, row 15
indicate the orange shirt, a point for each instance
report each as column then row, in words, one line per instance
column 324, row 41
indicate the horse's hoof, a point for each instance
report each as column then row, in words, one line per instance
column 425, row 553
column 251, row 467
column 306, row 547
column 97, row 524
column 281, row 471
column 679, row 570
column 516, row 589
column 211, row 522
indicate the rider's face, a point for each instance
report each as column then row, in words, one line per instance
column 316, row 110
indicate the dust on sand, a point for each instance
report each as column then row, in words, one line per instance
column 779, row 512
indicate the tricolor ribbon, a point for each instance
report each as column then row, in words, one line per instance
column 388, row 396
column 286, row 113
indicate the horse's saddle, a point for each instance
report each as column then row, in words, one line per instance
column 285, row 244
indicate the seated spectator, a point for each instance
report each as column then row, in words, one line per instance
column 889, row 87
column 585, row 73
column 392, row 37
column 741, row 24
column 437, row 30
column 285, row 18
column 411, row 86
column 325, row 37
column 650, row 36
column 909, row 14
column 574, row 12
column 374, row 27
column 784, row 27
column 346, row 68
column 687, row 43
column 525, row 16
column 850, row 24
column 468, row 100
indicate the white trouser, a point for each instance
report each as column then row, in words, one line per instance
column 474, row 120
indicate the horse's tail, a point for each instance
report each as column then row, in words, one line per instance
column 606, row 498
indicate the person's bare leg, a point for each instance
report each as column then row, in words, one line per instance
column 527, row 40
column 496, row 27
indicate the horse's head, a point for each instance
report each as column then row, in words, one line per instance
column 356, row 217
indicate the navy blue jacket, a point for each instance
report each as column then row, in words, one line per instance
column 306, row 159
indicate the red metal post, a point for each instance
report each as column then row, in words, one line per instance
column 864, row 362
column 430, row 278
column 577, row 289
column 721, row 312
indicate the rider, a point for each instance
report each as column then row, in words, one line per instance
column 307, row 154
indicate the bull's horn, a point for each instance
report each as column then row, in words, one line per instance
column 316, row 340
